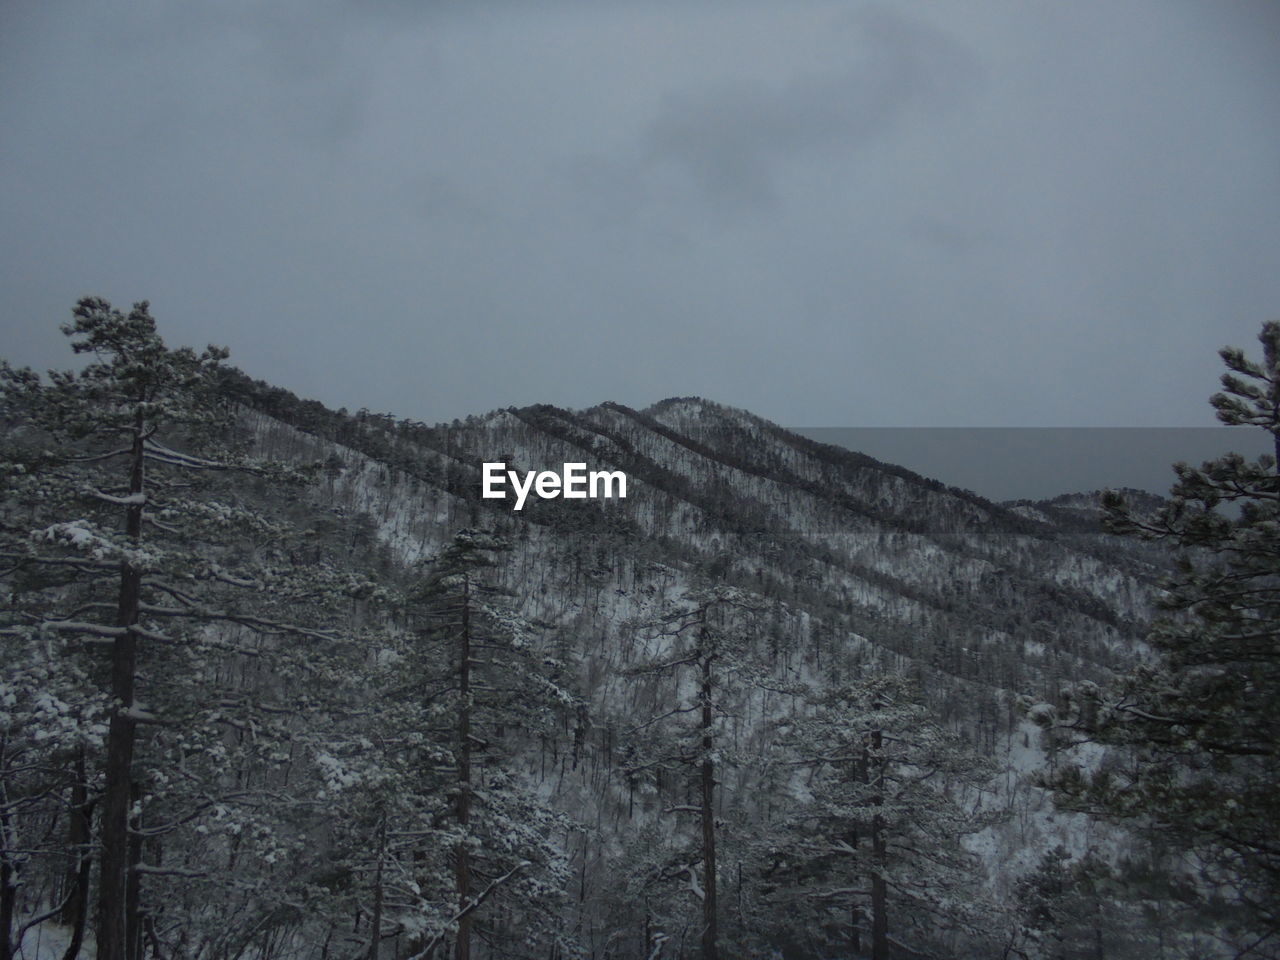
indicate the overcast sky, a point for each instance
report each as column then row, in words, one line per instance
column 831, row 213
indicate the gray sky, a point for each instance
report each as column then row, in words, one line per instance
column 831, row 213
column 1038, row 463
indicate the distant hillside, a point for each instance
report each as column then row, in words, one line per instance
column 937, row 580
column 807, row 667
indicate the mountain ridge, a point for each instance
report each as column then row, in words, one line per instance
column 706, row 477
column 759, row 612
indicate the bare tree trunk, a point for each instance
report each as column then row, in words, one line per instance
column 462, row 951
column 376, row 926
column 8, row 886
column 709, row 912
column 133, row 884
column 75, row 912
column 879, row 891
column 855, row 908
column 112, row 884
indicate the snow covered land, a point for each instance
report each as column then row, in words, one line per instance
column 782, row 699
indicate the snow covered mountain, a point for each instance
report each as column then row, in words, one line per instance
column 933, row 579
column 773, row 699
column 852, row 561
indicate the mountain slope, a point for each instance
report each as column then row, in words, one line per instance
column 940, row 578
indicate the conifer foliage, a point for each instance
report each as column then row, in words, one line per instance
column 704, row 643
column 1203, row 717
column 148, row 600
column 241, row 718
column 870, row 854
column 486, row 687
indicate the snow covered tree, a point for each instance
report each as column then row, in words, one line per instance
column 703, row 642
column 871, row 855
column 380, row 850
column 111, row 411
column 484, row 682
column 1083, row 908
column 131, row 528
column 1203, row 716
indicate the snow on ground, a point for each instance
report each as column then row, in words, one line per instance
column 1013, row 847
column 48, row 941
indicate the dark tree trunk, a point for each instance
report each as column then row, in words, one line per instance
column 376, row 925
column 855, row 909
column 462, row 950
column 879, row 891
column 133, row 884
column 113, row 882
column 75, row 912
column 8, row 888
column 709, row 926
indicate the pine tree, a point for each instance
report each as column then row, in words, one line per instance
column 703, row 641
column 1084, row 908
column 1202, row 717
column 132, row 528
column 1065, row 906
column 486, row 686
column 871, row 852
column 112, row 409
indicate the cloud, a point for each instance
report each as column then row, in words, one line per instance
column 733, row 141
column 825, row 216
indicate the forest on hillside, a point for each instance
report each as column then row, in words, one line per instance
column 278, row 683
